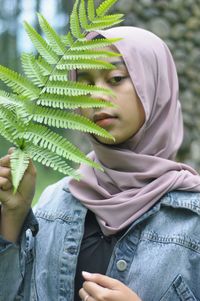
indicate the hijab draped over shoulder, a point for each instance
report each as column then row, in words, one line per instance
column 138, row 172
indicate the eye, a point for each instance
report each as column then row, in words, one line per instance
column 115, row 80
column 85, row 81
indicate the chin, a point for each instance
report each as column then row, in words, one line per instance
column 108, row 141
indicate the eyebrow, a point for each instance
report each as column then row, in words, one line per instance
column 117, row 63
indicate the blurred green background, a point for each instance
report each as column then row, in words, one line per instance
column 175, row 21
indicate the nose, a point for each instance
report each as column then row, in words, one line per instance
column 101, row 95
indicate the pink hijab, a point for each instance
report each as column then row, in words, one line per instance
column 140, row 171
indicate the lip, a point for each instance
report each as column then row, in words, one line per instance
column 101, row 116
column 104, row 119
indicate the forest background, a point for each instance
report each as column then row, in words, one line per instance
column 175, row 21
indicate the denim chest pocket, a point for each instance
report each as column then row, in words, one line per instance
column 178, row 291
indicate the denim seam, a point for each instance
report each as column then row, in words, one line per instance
column 53, row 217
column 183, row 202
column 174, row 239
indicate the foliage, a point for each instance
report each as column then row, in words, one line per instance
column 41, row 98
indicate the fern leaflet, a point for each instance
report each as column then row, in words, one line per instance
column 53, row 38
column 19, row 163
column 52, row 160
column 74, row 22
column 71, row 102
column 41, row 45
column 73, row 89
column 88, row 54
column 91, row 10
column 32, row 70
column 104, row 7
column 84, row 64
column 18, row 83
column 94, row 44
column 63, row 119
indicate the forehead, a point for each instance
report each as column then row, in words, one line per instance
column 117, row 61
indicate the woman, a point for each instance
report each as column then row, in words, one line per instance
column 134, row 227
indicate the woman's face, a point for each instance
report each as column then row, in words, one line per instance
column 124, row 120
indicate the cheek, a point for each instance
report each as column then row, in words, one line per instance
column 139, row 109
column 137, row 116
column 133, row 112
column 86, row 112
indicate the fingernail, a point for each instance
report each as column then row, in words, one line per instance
column 86, row 274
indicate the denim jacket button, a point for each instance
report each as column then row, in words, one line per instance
column 121, row 265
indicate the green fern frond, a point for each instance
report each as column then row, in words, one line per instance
column 41, row 95
column 84, row 64
column 41, row 45
column 91, row 10
column 32, row 70
column 93, row 44
column 73, row 89
column 53, row 38
column 52, row 160
column 72, row 102
column 104, row 7
column 75, row 23
column 19, row 161
column 18, row 83
column 45, row 138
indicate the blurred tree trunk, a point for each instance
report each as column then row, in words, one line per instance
column 9, row 13
column 66, row 6
column 38, row 5
column 37, row 10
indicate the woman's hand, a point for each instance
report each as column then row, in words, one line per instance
column 14, row 207
column 98, row 287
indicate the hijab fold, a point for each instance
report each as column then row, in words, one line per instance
column 138, row 172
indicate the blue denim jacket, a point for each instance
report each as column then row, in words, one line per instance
column 158, row 257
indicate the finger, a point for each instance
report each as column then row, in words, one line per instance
column 4, row 196
column 5, row 184
column 96, row 291
column 5, row 161
column 85, row 296
column 5, row 172
column 31, row 169
column 102, row 280
column 11, row 150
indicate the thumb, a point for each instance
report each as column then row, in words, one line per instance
column 102, row 280
column 11, row 150
column 31, row 169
